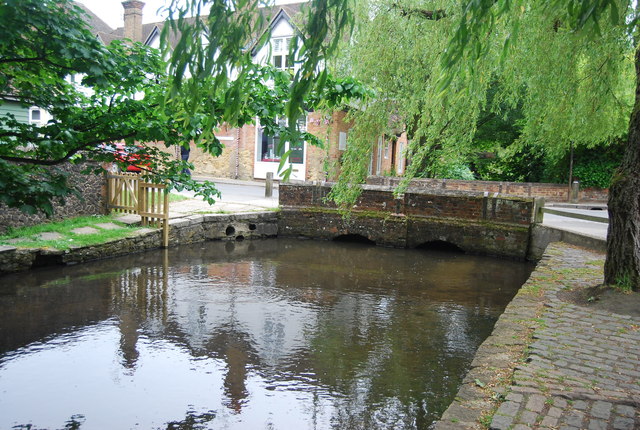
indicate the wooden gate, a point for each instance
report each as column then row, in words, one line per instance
column 128, row 194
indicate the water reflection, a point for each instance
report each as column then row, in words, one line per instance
column 271, row 334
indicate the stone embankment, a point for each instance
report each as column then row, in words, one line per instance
column 189, row 229
column 551, row 364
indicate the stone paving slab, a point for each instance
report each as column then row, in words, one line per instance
column 49, row 236
column 129, row 219
column 85, row 230
column 556, row 365
column 108, row 226
column 582, row 370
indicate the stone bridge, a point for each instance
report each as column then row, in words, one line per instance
column 472, row 222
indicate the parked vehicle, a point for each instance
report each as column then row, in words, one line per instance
column 128, row 158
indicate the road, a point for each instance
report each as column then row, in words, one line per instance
column 243, row 193
column 588, row 228
column 236, row 196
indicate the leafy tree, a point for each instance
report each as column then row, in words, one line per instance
column 43, row 43
column 230, row 31
column 396, row 49
column 567, row 63
column 593, row 41
column 128, row 95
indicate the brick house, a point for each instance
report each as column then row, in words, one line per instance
column 248, row 152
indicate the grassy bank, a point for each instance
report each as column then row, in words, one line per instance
column 61, row 235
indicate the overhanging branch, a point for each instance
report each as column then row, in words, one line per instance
column 87, row 145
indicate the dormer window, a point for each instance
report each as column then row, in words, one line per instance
column 280, row 54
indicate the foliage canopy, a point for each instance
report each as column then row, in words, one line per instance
column 439, row 69
column 129, row 93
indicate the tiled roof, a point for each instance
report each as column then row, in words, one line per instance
column 94, row 22
column 107, row 34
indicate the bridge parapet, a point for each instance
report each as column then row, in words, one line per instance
column 474, row 222
column 472, row 206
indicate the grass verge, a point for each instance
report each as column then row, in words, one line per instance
column 29, row 237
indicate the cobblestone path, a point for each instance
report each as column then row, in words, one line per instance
column 550, row 364
column 582, row 369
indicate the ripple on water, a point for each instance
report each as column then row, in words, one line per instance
column 279, row 335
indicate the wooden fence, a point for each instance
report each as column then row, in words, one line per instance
column 128, row 194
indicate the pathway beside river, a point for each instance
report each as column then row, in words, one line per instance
column 553, row 364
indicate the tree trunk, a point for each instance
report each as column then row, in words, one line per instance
column 622, row 266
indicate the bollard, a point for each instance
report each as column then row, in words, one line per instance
column 538, row 213
column 268, row 188
column 575, row 187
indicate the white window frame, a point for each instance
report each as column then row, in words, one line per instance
column 39, row 121
column 275, row 158
column 280, row 47
column 261, row 168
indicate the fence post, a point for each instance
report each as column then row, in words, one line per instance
column 268, row 189
column 165, row 222
column 142, row 204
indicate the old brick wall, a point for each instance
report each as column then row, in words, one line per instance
column 92, row 201
column 473, row 222
column 239, row 154
column 550, row 192
column 324, row 163
column 456, row 205
column 593, row 194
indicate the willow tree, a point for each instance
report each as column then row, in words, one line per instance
column 396, row 50
column 608, row 31
column 568, row 63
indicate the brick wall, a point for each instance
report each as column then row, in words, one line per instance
column 324, row 163
column 91, row 202
column 550, row 192
column 468, row 206
column 593, row 195
column 239, row 155
column 474, row 223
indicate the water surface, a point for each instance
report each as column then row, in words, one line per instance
column 276, row 334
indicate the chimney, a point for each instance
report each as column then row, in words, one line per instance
column 133, row 20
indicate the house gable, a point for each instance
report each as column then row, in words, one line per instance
column 153, row 40
column 274, row 51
